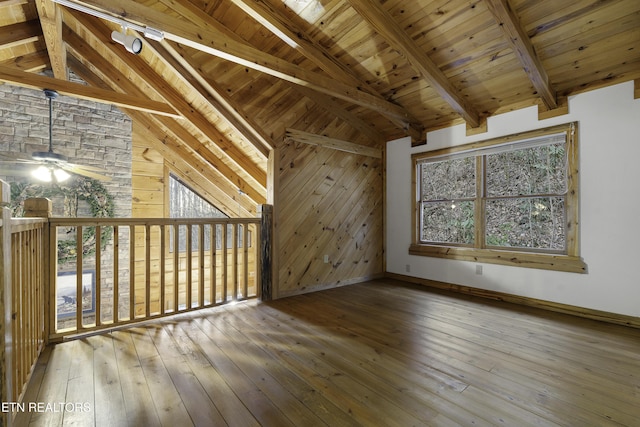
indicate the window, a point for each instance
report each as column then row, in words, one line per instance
column 511, row 200
column 186, row 203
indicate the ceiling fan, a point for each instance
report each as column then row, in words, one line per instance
column 53, row 166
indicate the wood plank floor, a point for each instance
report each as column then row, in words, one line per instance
column 382, row 353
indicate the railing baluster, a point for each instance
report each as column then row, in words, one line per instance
column 79, row 250
column 162, row 269
column 98, row 288
column 132, row 272
column 189, row 267
column 147, row 269
column 234, row 254
column 212, row 266
column 116, row 275
column 224, row 263
column 176, row 267
column 200, row 265
column 245, row 260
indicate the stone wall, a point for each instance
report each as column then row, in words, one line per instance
column 87, row 133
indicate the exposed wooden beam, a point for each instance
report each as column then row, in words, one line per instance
column 171, row 148
column 384, row 25
column 51, row 22
column 336, row 144
column 175, row 58
column 198, row 33
column 36, row 81
column 330, row 105
column 172, row 96
column 211, row 167
column 524, row 50
column 10, row 3
column 20, row 34
column 32, row 63
column 297, row 38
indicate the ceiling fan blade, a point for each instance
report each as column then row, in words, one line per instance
column 85, row 167
column 7, row 170
column 15, row 156
column 80, row 171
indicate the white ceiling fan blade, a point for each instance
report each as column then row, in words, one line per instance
column 80, row 171
column 86, row 167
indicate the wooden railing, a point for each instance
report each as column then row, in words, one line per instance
column 131, row 270
column 27, row 292
column 67, row 276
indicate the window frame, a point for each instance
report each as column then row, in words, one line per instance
column 570, row 260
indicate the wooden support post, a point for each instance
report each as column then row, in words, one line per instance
column 38, row 208
column 5, row 303
column 266, row 253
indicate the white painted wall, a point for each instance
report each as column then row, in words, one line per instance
column 609, row 148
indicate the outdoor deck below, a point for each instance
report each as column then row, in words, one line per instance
column 378, row 353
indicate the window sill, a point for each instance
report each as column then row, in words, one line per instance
column 572, row 264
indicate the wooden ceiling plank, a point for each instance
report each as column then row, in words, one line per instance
column 19, row 34
column 297, row 38
column 384, row 25
column 336, row 144
column 202, row 36
column 51, row 22
column 39, row 82
column 524, row 50
column 172, row 97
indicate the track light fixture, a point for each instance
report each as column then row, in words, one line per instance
column 131, row 43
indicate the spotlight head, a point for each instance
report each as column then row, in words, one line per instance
column 131, row 43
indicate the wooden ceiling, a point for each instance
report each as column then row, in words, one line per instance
column 231, row 77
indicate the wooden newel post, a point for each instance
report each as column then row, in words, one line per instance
column 38, row 207
column 5, row 303
column 266, row 253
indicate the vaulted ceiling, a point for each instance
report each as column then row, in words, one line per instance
column 234, row 78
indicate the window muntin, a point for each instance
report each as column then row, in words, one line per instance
column 524, row 201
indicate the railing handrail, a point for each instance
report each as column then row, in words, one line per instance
column 19, row 225
column 66, row 221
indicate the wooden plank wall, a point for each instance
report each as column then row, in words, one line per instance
column 328, row 203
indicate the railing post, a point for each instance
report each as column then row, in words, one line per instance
column 5, row 304
column 41, row 207
column 38, row 207
column 266, row 253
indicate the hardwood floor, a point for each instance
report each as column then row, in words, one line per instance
column 383, row 353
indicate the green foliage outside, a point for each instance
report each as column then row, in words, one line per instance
column 89, row 190
column 524, row 199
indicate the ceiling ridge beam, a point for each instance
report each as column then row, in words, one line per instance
column 298, row 39
column 384, row 25
column 524, row 50
column 39, row 82
column 336, row 144
column 202, row 36
column 51, row 22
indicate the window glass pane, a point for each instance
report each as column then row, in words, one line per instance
column 449, row 179
column 530, row 171
column 534, row 223
column 448, row 222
